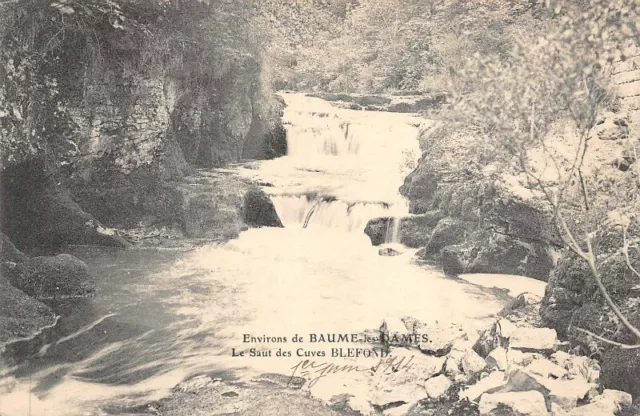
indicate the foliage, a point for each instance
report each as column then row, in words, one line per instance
column 514, row 104
column 386, row 45
column 52, row 50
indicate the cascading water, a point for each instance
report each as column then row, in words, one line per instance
column 343, row 167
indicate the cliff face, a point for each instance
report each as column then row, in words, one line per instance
column 121, row 127
column 107, row 110
column 471, row 218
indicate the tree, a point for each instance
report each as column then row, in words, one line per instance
column 562, row 76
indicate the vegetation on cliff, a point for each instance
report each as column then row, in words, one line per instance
column 105, row 103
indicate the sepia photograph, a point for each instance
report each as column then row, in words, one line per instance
column 319, row 208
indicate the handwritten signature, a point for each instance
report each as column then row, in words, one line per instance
column 318, row 370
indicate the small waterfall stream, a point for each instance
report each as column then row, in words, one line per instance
column 343, row 167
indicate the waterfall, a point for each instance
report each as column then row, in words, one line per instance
column 392, row 235
column 302, row 211
column 343, row 167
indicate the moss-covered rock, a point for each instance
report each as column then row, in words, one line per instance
column 38, row 212
column 377, row 229
column 46, row 277
column 20, row 315
column 259, row 211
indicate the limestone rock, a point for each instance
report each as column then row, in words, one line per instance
column 451, row 260
column 566, row 393
column 416, row 230
column 440, row 338
column 497, row 359
column 546, row 368
column 437, row 386
column 451, row 367
column 420, row 366
column 392, row 326
column 521, row 301
column 522, row 358
column 496, row 336
column 609, row 403
column 377, row 228
column 493, row 381
column 449, row 231
column 578, row 366
column 53, row 277
column 533, row 339
column 472, row 363
column 525, row 403
column 413, row 231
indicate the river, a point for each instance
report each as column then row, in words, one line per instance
column 161, row 316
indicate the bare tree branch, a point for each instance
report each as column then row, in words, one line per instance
column 608, row 341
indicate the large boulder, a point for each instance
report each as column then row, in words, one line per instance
column 415, row 231
column 221, row 205
column 259, row 211
column 377, row 230
column 47, row 277
column 609, row 403
column 38, row 212
column 20, row 315
column 388, row 252
column 491, row 252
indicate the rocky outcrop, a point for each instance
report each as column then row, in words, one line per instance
column 411, row 231
column 62, row 276
column 471, row 219
column 572, row 300
column 259, row 211
column 486, row 251
column 20, row 315
column 37, row 212
column 221, row 205
column 122, row 133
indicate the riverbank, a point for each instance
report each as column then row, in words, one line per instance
column 513, row 367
